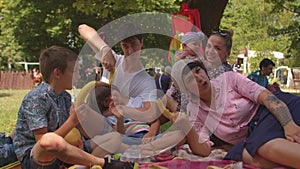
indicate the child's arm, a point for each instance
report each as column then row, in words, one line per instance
column 197, row 145
column 153, row 130
column 63, row 130
column 180, row 55
column 39, row 133
column 69, row 124
column 119, row 127
column 148, row 113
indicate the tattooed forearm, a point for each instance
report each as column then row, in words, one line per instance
column 279, row 109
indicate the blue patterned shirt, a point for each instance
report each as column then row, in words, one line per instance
column 256, row 77
column 40, row 108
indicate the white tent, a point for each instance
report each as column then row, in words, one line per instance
column 247, row 54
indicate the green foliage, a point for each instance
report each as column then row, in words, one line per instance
column 117, row 8
column 29, row 26
column 290, row 9
column 254, row 61
column 271, row 26
column 250, row 21
column 112, row 10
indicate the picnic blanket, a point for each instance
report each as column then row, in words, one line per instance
column 178, row 164
column 184, row 158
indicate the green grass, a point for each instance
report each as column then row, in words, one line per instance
column 297, row 94
column 10, row 101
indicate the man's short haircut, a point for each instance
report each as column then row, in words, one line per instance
column 265, row 63
column 55, row 57
column 129, row 31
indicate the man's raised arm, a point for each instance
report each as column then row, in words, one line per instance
column 91, row 36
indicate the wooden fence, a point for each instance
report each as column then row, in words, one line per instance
column 16, row 80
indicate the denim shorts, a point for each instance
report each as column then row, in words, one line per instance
column 29, row 162
column 265, row 127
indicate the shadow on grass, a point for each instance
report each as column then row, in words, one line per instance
column 5, row 94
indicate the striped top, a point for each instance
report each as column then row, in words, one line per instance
column 132, row 127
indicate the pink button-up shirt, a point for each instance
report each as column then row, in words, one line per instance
column 235, row 105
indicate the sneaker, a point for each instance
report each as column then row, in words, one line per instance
column 116, row 164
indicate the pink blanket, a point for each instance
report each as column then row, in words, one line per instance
column 176, row 164
column 186, row 160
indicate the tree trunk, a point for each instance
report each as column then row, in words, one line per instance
column 211, row 12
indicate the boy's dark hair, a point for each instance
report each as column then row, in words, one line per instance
column 102, row 93
column 129, row 31
column 265, row 63
column 55, row 57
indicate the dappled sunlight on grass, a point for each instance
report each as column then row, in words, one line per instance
column 10, row 101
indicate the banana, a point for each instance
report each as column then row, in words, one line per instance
column 163, row 109
column 96, row 167
column 84, row 92
column 111, row 77
column 73, row 137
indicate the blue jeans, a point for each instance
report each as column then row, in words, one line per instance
column 134, row 139
column 7, row 154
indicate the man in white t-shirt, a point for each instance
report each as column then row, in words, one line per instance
column 129, row 75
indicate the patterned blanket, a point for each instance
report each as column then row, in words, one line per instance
column 185, row 159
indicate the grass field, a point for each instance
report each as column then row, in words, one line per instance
column 10, row 101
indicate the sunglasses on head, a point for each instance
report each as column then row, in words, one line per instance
column 222, row 33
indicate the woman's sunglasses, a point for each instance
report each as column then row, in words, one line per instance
column 223, row 33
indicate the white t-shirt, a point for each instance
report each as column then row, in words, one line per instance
column 137, row 84
column 132, row 85
column 106, row 74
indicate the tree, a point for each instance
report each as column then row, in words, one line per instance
column 9, row 47
column 211, row 12
column 39, row 24
column 289, row 29
column 29, row 26
column 250, row 23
